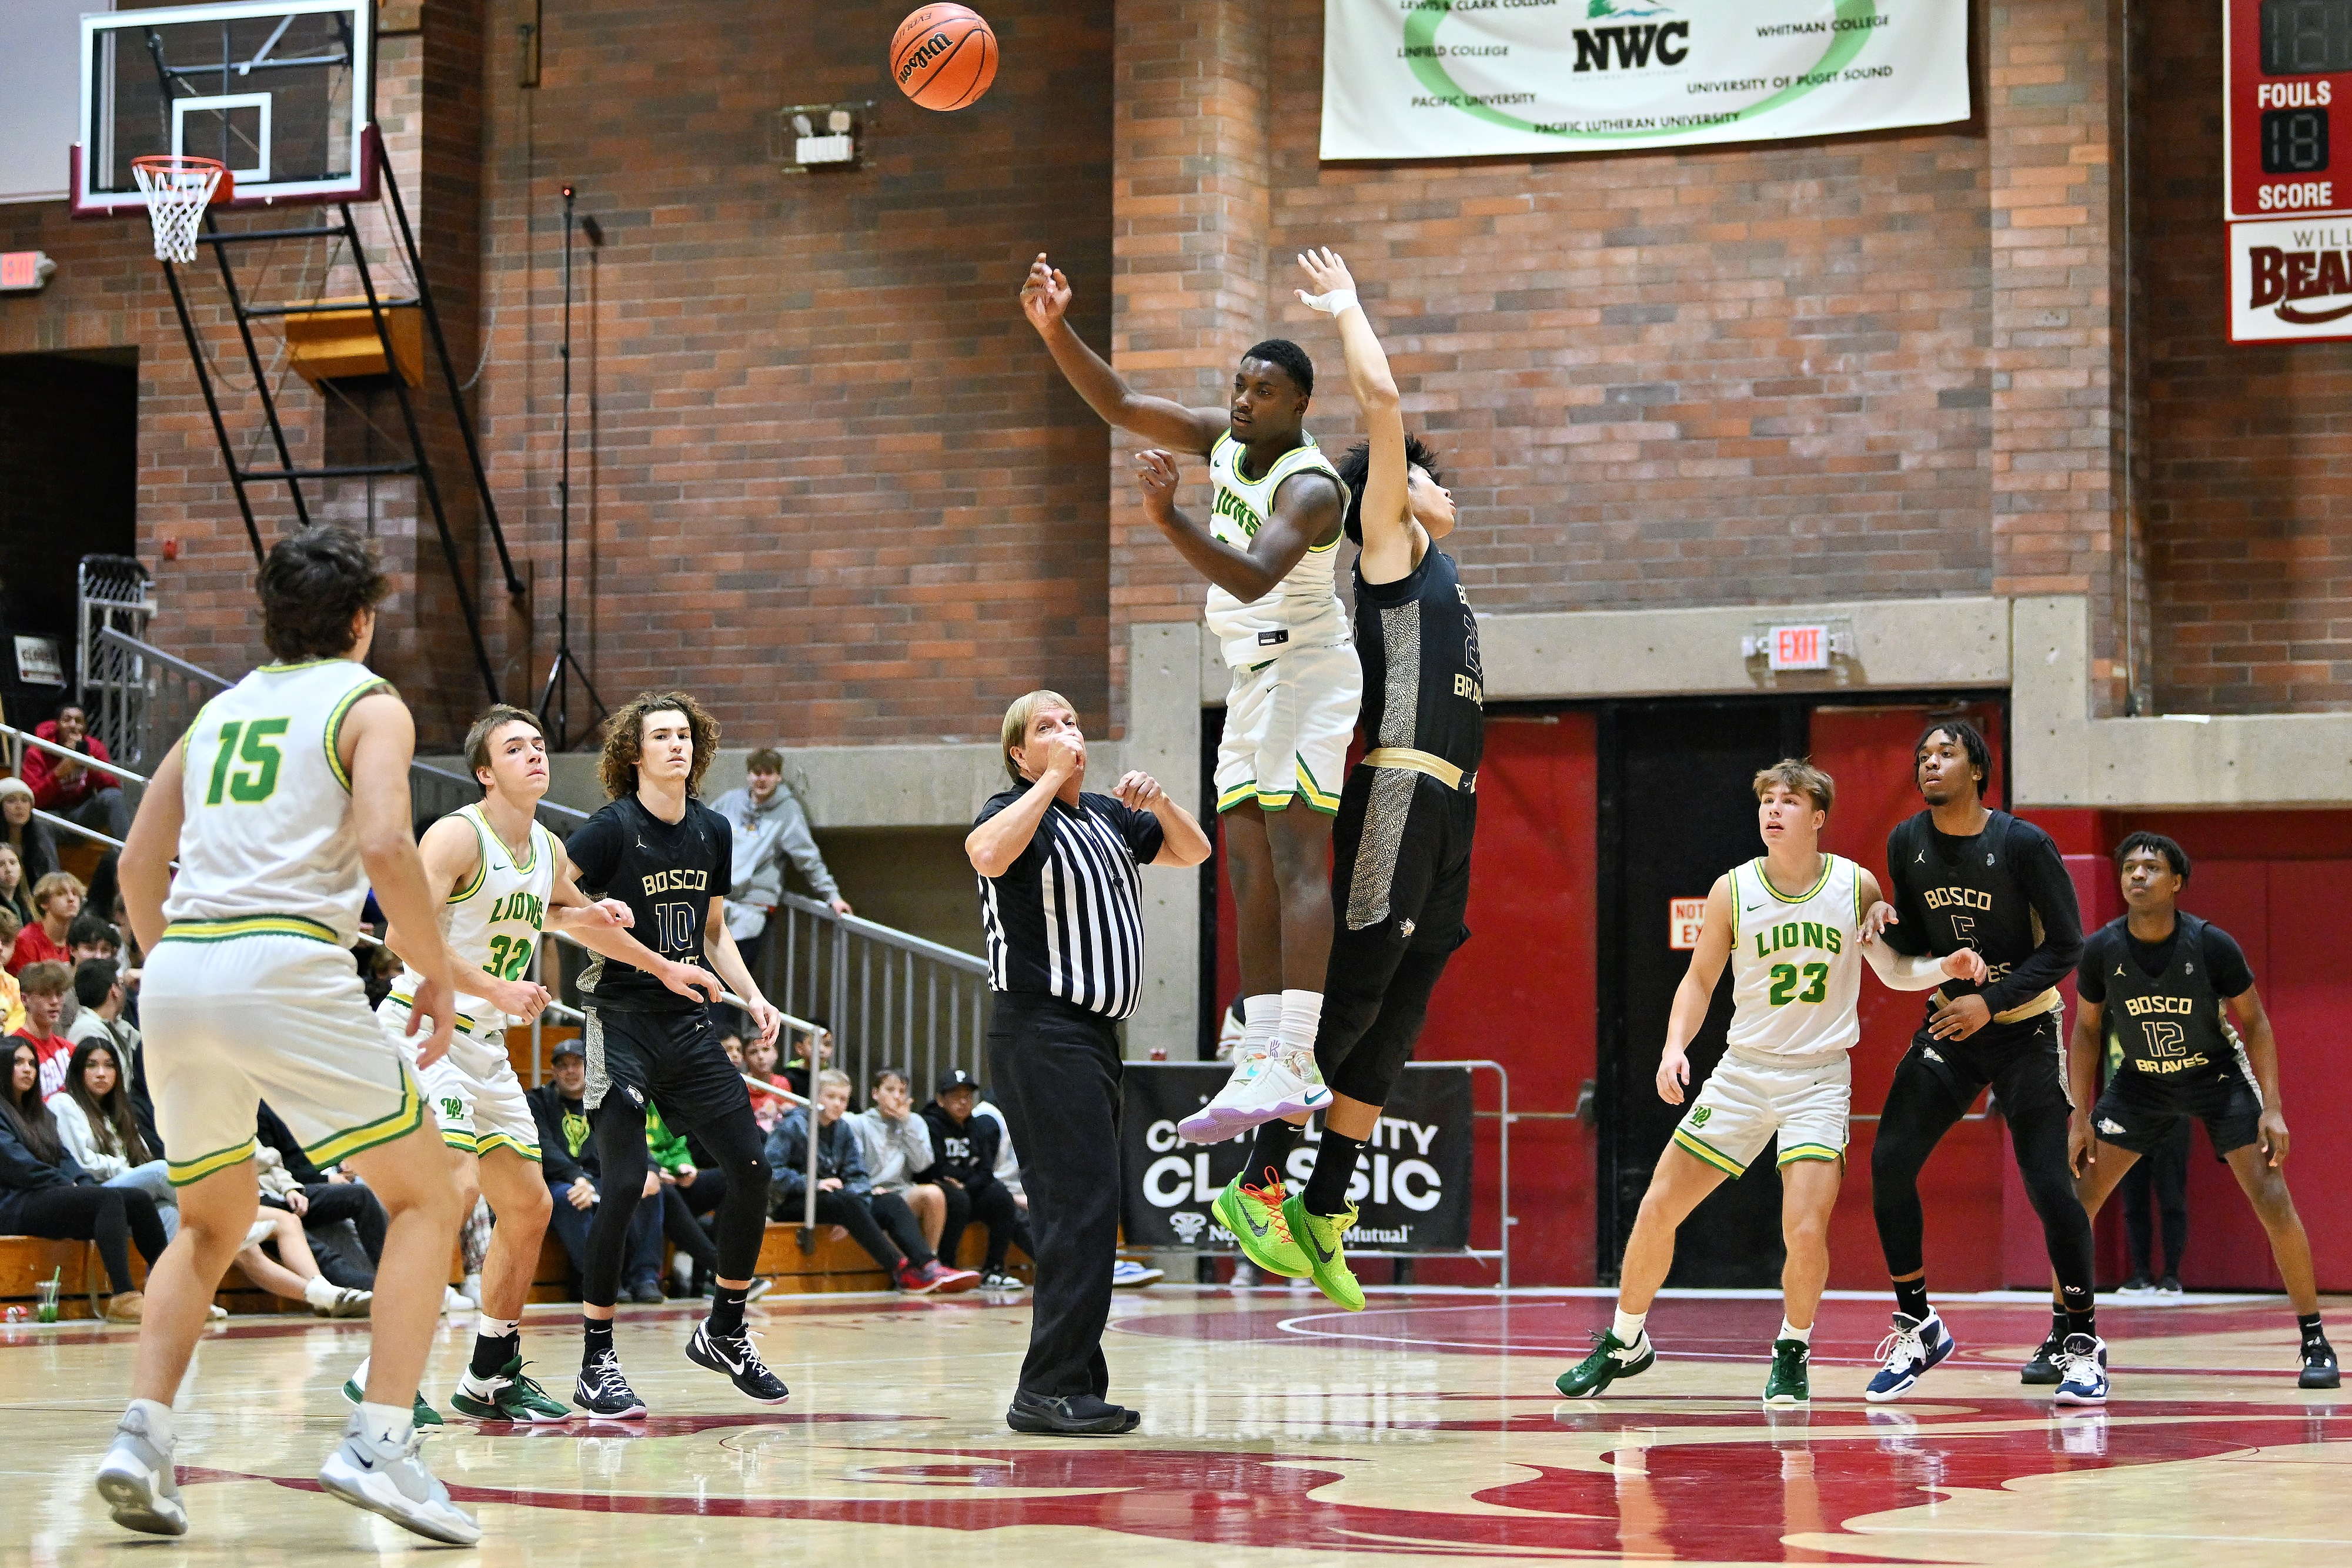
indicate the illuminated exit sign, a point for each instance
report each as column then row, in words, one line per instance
column 23, row 269
column 1798, row 648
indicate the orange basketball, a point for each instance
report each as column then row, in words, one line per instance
column 944, row 56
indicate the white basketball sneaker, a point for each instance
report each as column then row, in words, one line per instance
column 1207, row 1124
column 136, row 1480
column 1289, row 1083
column 389, row 1479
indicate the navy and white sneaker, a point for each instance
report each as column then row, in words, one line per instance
column 1915, row 1346
column 602, row 1392
column 2083, row 1364
column 732, row 1354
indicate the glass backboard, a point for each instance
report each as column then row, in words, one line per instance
column 278, row 90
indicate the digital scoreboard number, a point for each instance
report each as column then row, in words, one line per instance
column 2287, row 70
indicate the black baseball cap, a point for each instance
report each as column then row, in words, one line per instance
column 567, row 1047
column 958, row 1079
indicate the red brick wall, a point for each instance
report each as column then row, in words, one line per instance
column 2247, row 494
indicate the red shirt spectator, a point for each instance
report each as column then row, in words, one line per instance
column 45, row 1000
column 41, row 768
column 34, row 947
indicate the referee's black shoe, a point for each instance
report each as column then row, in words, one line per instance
column 732, row 1354
column 1079, row 1415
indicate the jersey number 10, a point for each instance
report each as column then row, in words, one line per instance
column 676, row 925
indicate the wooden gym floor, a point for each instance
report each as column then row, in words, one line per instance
column 1277, row 1430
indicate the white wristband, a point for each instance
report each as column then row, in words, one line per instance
column 1330, row 304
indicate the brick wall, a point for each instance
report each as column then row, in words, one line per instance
column 2245, row 448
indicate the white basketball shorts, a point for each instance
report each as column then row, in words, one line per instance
column 1745, row 1103
column 1288, row 725
column 472, row 1091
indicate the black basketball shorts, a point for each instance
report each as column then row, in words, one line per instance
column 2023, row 1062
column 672, row 1059
column 2137, row 1113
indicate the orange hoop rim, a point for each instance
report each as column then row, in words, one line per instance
column 178, row 162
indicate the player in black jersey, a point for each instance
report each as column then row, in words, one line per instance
column 1401, row 877
column 1964, row 876
column 2154, row 982
column 650, row 1036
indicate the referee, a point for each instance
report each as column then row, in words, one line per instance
column 1058, row 896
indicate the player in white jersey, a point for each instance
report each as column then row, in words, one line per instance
column 1267, row 551
column 502, row 880
column 1795, row 925
column 284, row 802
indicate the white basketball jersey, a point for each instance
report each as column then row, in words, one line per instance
column 1796, row 964
column 267, row 805
column 492, row 921
column 1303, row 611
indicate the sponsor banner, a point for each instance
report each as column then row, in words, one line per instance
column 1412, row 1187
column 1480, row 78
column 2291, row 282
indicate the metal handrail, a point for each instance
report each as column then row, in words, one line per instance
column 889, row 936
column 29, row 739
column 149, row 650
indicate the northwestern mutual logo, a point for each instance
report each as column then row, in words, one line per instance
column 1630, row 41
column 2308, row 280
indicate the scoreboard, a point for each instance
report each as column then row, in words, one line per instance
column 2287, row 197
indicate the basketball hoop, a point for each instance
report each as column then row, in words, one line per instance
column 178, row 190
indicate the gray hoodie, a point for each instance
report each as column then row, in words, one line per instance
column 764, row 834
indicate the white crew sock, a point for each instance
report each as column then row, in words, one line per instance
column 319, row 1290
column 1791, row 1331
column 387, row 1424
column 1628, row 1327
column 160, row 1428
column 1302, row 1017
column 489, row 1327
column 1261, row 1016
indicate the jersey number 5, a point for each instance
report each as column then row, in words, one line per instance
column 256, row 780
column 1784, row 984
column 675, row 923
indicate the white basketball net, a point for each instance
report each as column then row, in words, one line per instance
column 178, row 190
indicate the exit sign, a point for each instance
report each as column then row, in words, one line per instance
column 1798, row 648
column 1685, row 917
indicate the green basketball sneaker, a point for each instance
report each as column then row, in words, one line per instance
column 1254, row 1215
column 512, row 1395
column 1787, row 1384
column 1327, row 1261
column 355, row 1390
column 1612, row 1359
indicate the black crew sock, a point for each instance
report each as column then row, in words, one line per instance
column 1335, row 1167
column 2082, row 1311
column 726, row 1319
column 1911, row 1298
column 597, row 1338
column 492, row 1356
column 2312, row 1332
column 2058, row 1323
column 1269, row 1155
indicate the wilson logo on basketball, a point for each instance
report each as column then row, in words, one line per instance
column 935, row 45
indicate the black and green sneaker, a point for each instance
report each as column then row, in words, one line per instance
column 1612, row 1359
column 513, row 1396
column 1252, row 1214
column 1318, row 1237
column 355, row 1390
column 1787, row 1385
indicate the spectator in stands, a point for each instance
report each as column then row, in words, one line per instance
column 87, row 939
column 770, row 828
column 896, row 1144
column 816, row 1046
column 12, row 995
column 568, row 1161
column 56, row 899
column 964, row 1169
column 66, row 787
column 104, row 1016
column 15, row 889
column 882, row 1224
column 100, row 1127
column 1008, row 1163
column 44, row 987
column 760, row 1062
column 731, row 1042
column 343, row 1222
column 688, row 1191
column 43, row 1192
column 36, row 843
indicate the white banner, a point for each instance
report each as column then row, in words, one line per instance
column 1482, row 78
column 2291, row 282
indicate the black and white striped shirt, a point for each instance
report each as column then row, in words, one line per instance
column 1066, row 918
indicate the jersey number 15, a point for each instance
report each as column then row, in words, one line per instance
column 248, row 775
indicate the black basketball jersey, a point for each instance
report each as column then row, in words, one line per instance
column 668, row 873
column 1417, row 642
column 2003, row 891
column 2168, row 1029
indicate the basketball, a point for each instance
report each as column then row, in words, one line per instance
column 944, row 56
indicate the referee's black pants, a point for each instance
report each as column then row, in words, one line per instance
column 1054, row 1069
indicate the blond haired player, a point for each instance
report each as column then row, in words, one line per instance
column 1795, row 925
column 284, row 802
column 501, row 879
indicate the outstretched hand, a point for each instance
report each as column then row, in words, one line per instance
column 1155, row 472
column 1329, row 276
column 1045, row 295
